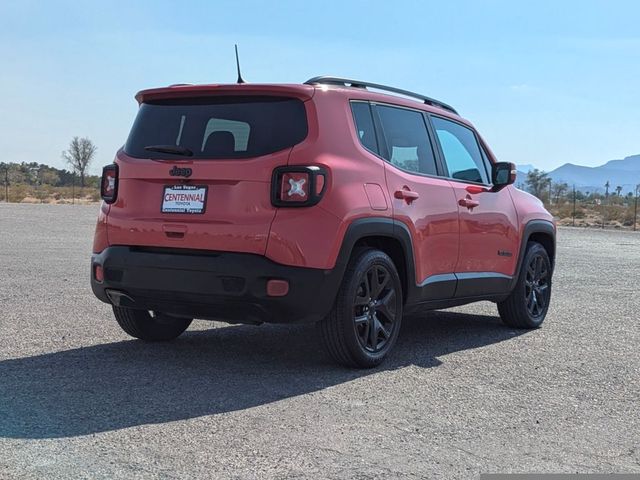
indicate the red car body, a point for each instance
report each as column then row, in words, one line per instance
column 453, row 241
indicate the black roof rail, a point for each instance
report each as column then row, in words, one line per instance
column 347, row 82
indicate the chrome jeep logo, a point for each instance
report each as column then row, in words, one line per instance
column 180, row 172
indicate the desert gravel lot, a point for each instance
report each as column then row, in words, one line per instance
column 460, row 395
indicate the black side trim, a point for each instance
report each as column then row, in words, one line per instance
column 475, row 284
column 437, row 287
column 451, row 302
column 438, row 291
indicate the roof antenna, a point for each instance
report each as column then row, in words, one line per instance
column 240, row 80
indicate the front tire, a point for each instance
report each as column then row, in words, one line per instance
column 150, row 326
column 364, row 322
column 528, row 304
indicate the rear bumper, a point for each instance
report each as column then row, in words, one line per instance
column 224, row 286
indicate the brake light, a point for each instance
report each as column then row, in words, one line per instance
column 297, row 186
column 109, row 183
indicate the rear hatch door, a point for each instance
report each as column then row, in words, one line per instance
column 195, row 172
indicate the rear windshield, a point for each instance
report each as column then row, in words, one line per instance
column 217, row 127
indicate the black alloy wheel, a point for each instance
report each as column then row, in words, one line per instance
column 364, row 323
column 528, row 303
column 374, row 313
column 536, row 286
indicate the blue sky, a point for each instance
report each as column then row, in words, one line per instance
column 544, row 82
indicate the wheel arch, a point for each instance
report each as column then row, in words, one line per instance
column 542, row 232
column 547, row 240
column 387, row 235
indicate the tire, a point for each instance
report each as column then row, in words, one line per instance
column 150, row 326
column 364, row 323
column 527, row 305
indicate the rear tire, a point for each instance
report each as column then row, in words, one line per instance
column 528, row 303
column 150, row 326
column 364, row 323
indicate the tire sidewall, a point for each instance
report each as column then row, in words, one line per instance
column 533, row 250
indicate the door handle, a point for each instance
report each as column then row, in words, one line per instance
column 468, row 202
column 406, row 195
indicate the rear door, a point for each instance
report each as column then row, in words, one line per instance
column 488, row 220
column 196, row 172
column 422, row 201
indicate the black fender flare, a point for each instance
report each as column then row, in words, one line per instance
column 532, row 227
column 362, row 228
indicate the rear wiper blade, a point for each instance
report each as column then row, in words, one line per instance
column 174, row 149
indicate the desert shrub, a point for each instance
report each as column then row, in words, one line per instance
column 17, row 193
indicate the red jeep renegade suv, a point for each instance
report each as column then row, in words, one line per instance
column 326, row 202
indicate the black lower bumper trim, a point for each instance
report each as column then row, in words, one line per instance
column 224, row 286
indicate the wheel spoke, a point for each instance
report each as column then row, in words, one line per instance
column 530, row 272
column 378, row 286
column 383, row 330
column 373, row 333
column 385, row 307
column 361, row 319
column 365, row 334
column 367, row 285
column 541, row 303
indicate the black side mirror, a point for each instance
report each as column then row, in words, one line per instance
column 503, row 174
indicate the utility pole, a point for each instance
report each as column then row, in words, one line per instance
column 635, row 208
column 574, row 205
column 73, row 187
column 6, row 183
column 604, row 209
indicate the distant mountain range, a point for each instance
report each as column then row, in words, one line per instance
column 624, row 173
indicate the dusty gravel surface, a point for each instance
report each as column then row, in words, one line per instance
column 460, row 395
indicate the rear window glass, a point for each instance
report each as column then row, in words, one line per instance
column 217, row 127
column 364, row 125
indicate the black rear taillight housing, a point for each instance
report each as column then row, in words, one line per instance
column 298, row 185
column 109, row 183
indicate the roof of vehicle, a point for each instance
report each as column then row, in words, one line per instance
column 351, row 88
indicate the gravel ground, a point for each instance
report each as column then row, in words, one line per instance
column 460, row 395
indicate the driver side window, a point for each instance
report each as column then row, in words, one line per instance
column 461, row 151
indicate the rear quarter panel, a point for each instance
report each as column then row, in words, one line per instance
column 312, row 237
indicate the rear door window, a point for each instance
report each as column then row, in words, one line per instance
column 218, row 127
column 408, row 143
column 461, row 151
column 364, row 125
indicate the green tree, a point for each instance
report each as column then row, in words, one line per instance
column 559, row 190
column 538, row 183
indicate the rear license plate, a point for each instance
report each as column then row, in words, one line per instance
column 184, row 199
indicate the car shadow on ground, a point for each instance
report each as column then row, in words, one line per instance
column 128, row 383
